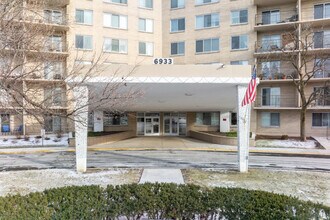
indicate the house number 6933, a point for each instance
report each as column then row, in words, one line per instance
column 163, row 61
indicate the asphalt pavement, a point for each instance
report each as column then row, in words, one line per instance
column 160, row 159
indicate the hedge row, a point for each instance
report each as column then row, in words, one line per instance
column 158, row 201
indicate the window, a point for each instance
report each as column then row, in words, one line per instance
column 322, row 39
column 178, row 25
column 270, row 119
column 207, row 45
column 5, row 122
column 146, row 3
column 320, row 119
column 322, row 68
column 53, row 123
column 239, row 17
column 322, row 11
column 54, row 43
column 177, row 3
column 84, row 42
column 270, row 69
column 115, row 21
column 146, row 25
column 233, row 118
column 208, row 118
column 146, row 48
column 207, row 21
column 53, row 97
column 201, row 2
column 113, row 118
column 91, row 119
column 271, row 96
column 271, row 17
column 84, row 16
column 239, row 62
column 271, row 42
column 116, row 1
column 115, row 45
column 53, row 70
column 239, row 42
column 177, row 48
column 53, row 16
column 323, row 98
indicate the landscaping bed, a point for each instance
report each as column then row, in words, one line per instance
column 157, row 201
column 33, row 141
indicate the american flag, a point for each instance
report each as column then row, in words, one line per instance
column 251, row 92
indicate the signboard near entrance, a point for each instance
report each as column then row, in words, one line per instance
column 163, row 61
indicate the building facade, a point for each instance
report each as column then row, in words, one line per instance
column 201, row 32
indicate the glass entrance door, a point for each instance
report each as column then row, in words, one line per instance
column 171, row 125
column 151, row 126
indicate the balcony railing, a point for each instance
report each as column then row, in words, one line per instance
column 275, row 101
column 322, row 74
column 277, row 74
column 274, row 46
column 321, row 102
column 274, row 17
column 55, row 47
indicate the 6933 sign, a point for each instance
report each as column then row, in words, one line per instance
column 163, row 61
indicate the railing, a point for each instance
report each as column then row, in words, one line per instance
column 274, row 45
column 274, row 17
column 322, row 74
column 277, row 74
column 275, row 101
column 55, row 47
column 321, row 102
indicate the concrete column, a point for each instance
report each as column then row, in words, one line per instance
column 81, row 126
column 224, row 121
column 243, row 122
column 98, row 121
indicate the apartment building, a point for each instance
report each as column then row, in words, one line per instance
column 33, row 62
column 198, row 33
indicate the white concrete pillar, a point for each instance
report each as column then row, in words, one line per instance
column 98, row 121
column 243, row 122
column 81, row 126
column 225, row 122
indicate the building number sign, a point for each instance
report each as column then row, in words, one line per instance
column 163, row 61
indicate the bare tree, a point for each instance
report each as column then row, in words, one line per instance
column 37, row 78
column 305, row 50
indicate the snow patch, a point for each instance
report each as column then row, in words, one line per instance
column 309, row 144
column 12, row 141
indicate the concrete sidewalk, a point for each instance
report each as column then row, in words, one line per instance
column 170, row 144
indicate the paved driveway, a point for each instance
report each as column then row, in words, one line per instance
column 161, row 143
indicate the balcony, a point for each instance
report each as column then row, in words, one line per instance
column 277, row 74
column 53, row 3
column 276, row 102
column 59, row 23
column 275, row 20
column 267, row 3
column 276, row 47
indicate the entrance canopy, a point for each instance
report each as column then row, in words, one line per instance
column 178, row 87
column 172, row 88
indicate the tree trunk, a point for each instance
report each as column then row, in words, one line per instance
column 302, row 124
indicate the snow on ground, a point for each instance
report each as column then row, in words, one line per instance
column 312, row 186
column 12, row 141
column 24, row 182
column 309, row 144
